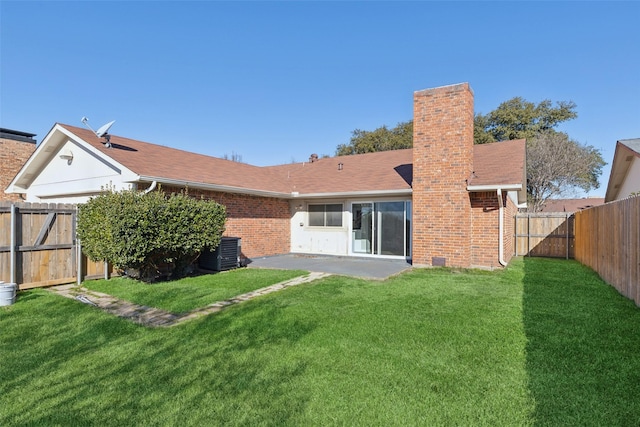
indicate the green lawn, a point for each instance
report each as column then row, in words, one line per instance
column 543, row 343
column 192, row 292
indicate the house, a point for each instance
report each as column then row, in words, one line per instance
column 443, row 202
column 625, row 170
column 15, row 149
column 571, row 205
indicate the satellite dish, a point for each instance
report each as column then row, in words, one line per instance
column 104, row 129
column 102, row 132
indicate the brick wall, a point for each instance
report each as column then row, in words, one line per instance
column 510, row 211
column 486, row 227
column 442, row 162
column 263, row 223
column 13, row 154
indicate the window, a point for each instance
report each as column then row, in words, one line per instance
column 325, row 215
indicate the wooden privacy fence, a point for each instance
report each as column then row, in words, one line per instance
column 38, row 246
column 545, row 234
column 608, row 241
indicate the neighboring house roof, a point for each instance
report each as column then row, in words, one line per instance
column 571, row 205
column 497, row 165
column 625, row 159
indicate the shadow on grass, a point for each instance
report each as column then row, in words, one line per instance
column 583, row 357
column 69, row 364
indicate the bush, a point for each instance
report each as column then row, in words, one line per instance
column 142, row 233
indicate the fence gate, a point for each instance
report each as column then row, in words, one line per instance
column 38, row 246
column 545, row 234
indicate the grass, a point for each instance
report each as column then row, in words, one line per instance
column 582, row 349
column 184, row 295
column 543, row 343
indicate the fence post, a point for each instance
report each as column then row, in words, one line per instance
column 528, row 234
column 79, row 263
column 515, row 234
column 12, row 250
column 567, row 234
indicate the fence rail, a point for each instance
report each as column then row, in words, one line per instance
column 608, row 241
column 38, row 246
column 545, row 234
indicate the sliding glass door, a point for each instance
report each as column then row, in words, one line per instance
column 362, row 228
column 382, row 228
column 390, row 228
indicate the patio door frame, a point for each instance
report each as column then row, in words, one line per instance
column 376, row 245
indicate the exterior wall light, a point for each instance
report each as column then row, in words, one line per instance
column 67, row 155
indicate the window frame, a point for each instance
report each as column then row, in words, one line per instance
column 328, row 220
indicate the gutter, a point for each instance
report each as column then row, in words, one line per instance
column 274, row 194
column 490, row 187
column 501, row 229
column 213, row 187
column 365, row 193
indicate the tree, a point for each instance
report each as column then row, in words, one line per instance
column 381, row 139
column 556, row 164
column 235, row 157
column 521, row 119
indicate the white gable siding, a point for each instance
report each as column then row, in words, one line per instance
column 63, row 181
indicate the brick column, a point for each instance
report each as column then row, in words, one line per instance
column 442, row 162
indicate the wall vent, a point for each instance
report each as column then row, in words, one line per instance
column 438, row 261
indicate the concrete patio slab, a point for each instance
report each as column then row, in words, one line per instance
column 367, row 268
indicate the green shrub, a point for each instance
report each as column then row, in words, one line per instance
column 144, row 233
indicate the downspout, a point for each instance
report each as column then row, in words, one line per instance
column 501, row 230
column 151, row 188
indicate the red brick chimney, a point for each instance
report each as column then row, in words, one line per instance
column 442, row 162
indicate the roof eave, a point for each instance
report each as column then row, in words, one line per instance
column 78, row 193
column 366, row 193
column 520, row 188
column 23, row 180
column 490, row 187
column 213, row 187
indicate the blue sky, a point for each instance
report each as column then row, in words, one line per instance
column 277, row 81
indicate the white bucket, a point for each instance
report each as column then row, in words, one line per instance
column 7, row 293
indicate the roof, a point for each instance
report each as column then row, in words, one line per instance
column 358, row 173
column 626, row 150
column 571, row 205
column 497, row 165
column 500, row 165
column 158, row 162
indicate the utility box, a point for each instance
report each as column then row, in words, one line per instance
column 225, row 257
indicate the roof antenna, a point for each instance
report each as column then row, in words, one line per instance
column 102, row 132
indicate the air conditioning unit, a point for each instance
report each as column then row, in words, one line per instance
column 225, row 257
